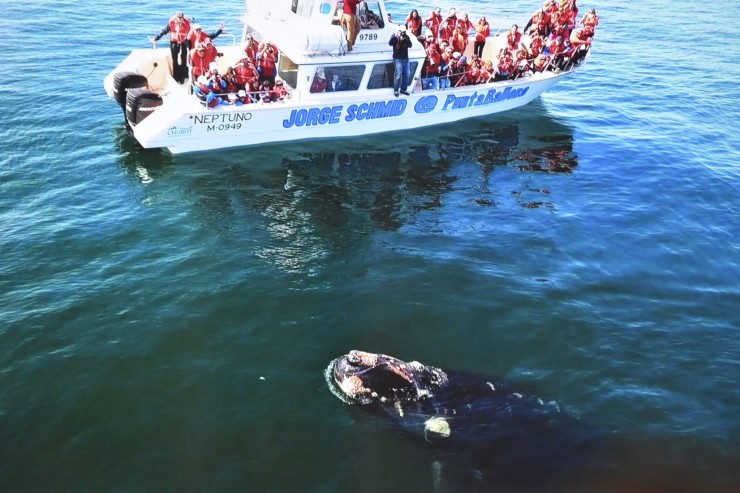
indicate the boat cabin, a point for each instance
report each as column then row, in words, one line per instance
column 312, row 44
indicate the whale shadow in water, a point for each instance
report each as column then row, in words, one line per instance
column 481, row 431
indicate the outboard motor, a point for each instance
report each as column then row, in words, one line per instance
column 140, row 103
column 123, row 82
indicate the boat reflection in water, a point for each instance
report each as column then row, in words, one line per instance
column 298, row 209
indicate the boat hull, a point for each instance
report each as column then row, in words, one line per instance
column 201, row 129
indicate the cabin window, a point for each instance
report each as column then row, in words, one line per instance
column 337, row 78
column 382, row 75
column 367, row 12
column 370, row 16
column 288, row 70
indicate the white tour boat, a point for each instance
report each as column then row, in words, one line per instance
column 164, row 114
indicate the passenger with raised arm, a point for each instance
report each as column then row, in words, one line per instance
column 590, row 19
column 551, row 6
column 557, row 26
column 569, row 14
column 466, row 25
column 482, row 31
column 179, row 27
column 430, row 68
column 198, row 35
column 350, row 22
column 434, row 21
column 413, row 23
column 445, row 31
column 401, row 43
column 267, row 66
column 459, row 40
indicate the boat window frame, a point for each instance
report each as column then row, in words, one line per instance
column 389, row 69
column 352, row 81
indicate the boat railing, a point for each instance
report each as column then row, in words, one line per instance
column 254, row 96
column 228, row 35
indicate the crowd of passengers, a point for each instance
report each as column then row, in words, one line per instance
column 250, row 80
column 556, row 41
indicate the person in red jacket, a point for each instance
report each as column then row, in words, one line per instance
column 251, row 48
column 178, row 26
column 198, row 62
column 268, row 63
column 198, row 35
column 590, row 19
column 413, row 23
column 246, row 72
column 482, row 31
column 513, row 37
column 459, row 40
column 350, row 21
column 434, row 20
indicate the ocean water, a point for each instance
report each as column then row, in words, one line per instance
column 165, row 322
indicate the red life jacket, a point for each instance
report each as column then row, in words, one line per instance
column 245, row 74
column 179, row 30
column 482, row 31
column 267, row 62
column 513, row 39
column 433, row 23
column 199, row 61
column 414, row 24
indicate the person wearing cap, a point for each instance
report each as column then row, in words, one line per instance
column 429, row 40
column 319, row 83
column 350, row 21
column 243, row 98
column 179, row 27
column 198, row 35
column 401, row 43
column 199, row 61
column 434, row 21
column 482, row 32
